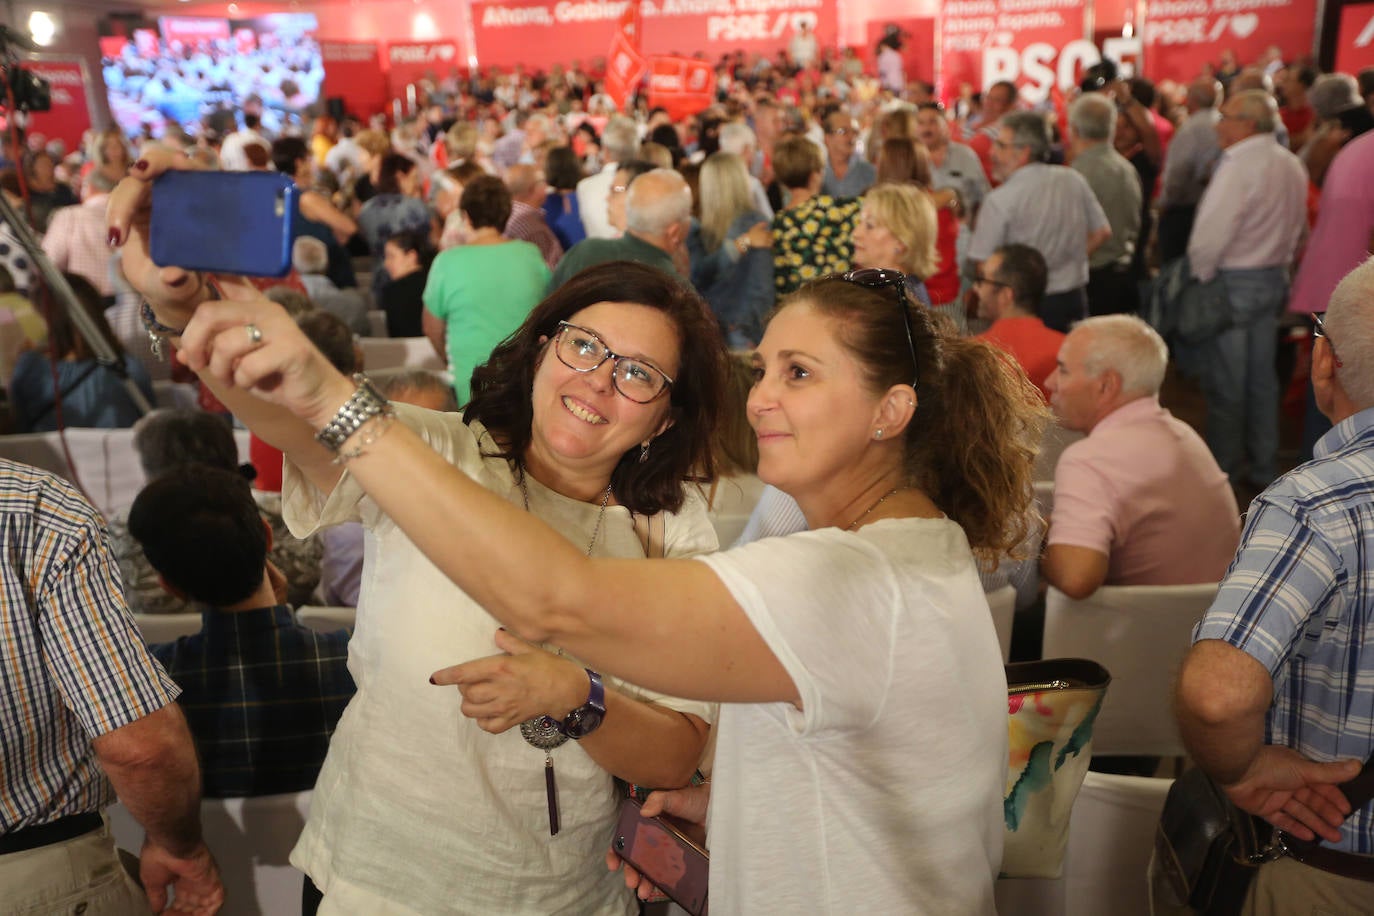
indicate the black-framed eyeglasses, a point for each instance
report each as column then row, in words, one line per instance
column 1319, row 330
column 582, row 351
column 979, row 278
column 881, row 278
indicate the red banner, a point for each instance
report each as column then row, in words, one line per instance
column 353, row 72
column 1183, row 35
column 625, row 66
column 70, row 116
column 412, row 61
column 191, row 31
column 1036, row 44
column 1355, row 41
column 683, row 85
column 509, row 32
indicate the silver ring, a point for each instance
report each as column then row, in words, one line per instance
column 254, row 333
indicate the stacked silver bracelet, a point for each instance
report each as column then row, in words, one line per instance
column 365, row 404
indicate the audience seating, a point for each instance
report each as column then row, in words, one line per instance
column 175, row 394
column 376, row 320
column 158, row 628
column 399, row 352
column 326, row 619
column 250, row 839
column 104, row 461
column 1002, row 603
column 1140, row 634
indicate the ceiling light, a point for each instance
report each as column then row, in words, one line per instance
column 42, row 27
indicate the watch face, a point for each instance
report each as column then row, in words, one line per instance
column 582, row 721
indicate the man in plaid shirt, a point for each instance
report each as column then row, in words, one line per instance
column 261, row 692
column 1276, row 697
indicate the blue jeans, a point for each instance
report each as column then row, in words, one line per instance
column 1240, row 379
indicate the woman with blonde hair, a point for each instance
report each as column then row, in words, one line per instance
column 896, row 231
column 904, row 161
column 731, row 251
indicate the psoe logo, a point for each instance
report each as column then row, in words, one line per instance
column 1366, row 35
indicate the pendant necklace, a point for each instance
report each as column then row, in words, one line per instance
column 876, row 503
column 542, row 732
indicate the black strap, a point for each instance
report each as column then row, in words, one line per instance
column 60, row 830
column 1360, row 790
column 66, row 390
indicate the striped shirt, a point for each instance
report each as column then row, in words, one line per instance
column 262, row 695
column 1299, row 598
column 72, row 664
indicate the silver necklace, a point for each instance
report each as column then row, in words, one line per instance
column 876, row 503
column 542, row 732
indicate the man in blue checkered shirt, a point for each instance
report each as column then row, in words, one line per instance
column 1276, row 697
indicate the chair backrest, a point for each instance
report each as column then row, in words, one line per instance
column 158, row 628
column 376, row 323
column 326, row 619
column 1140, row 634
column 1111, row 837
column 395, row 352
column 250, row 839
column 1002, row 603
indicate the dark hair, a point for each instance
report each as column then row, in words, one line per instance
column 1023, row 269
column 286, row 152
column 251, row 120
column 199, row 527
column 972, row 442
column 501, row 387
column 667, row 135
column 6, row 280
column 389, row 172
column 416, row 240
column 1143, row 91
column 63, row 334
column 167, row 439
column 903, row 161
column 562, row 169
column 332, row 336
column 486, row 202
column 1306, row 75
column 795, row 160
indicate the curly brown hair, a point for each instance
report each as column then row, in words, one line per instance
column 972, row 442
column 501, row 386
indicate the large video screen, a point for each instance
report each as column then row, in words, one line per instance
column 193, row 70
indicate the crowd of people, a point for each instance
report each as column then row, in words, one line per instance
column 828, row 303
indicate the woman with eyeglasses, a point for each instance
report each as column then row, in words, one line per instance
column 593, row 416
column 861, row 753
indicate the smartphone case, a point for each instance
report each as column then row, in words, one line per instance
column 224, row 222
column 681, row 868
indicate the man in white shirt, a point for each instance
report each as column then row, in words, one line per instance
column 231, row 154
column 1248, row 226
column 952, row 165
column 619, row 143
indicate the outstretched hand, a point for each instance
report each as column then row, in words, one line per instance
column 687, row 804
column 1295, row 794
column 501, row 691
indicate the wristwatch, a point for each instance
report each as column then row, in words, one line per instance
column 586, row 718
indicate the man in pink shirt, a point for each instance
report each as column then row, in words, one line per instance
column 1140, row 500
column 1010, row 284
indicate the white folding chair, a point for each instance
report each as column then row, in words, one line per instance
column 108, row 486
column 396, row 352
column 1002, row 603
column 157, row 628
column 376, row 322
column 1111, row 837
column 326, row 619
column 250, row 839
column 1140, row 634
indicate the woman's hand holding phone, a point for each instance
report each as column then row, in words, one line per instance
column 688, row 804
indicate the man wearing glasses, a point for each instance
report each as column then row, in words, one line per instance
column 1248, row 225
column 846, row 174
column 1051, row 208
column 1010, row 285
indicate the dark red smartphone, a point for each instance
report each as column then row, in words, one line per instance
column 668, row 852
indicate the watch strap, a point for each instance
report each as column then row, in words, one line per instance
column 367, row 402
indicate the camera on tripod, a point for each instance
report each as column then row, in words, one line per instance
column 30, row 91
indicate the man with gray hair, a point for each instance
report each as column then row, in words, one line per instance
column 658, row 210
column 1112, row 278
column 519, row 145
column 1188, row 165
column 1273, row 700
column 1247, row 230
column 1048, row 207
column 310, row 258
column 619, row 143
column 1139, row 500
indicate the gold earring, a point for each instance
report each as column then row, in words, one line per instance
column 879, row 433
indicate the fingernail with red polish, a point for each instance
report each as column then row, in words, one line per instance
column 113, row 238
column 433, row 681
column 178, row 283
column 141, row 165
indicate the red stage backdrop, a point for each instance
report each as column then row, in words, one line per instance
column 70, row 116
column 541, row 32
column 1182, row 35
column 353, row 70
column 1355, row 43
column 410, row 61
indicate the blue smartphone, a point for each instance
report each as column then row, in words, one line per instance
column 224, row 222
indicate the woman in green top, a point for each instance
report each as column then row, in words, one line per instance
column 479, row 292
